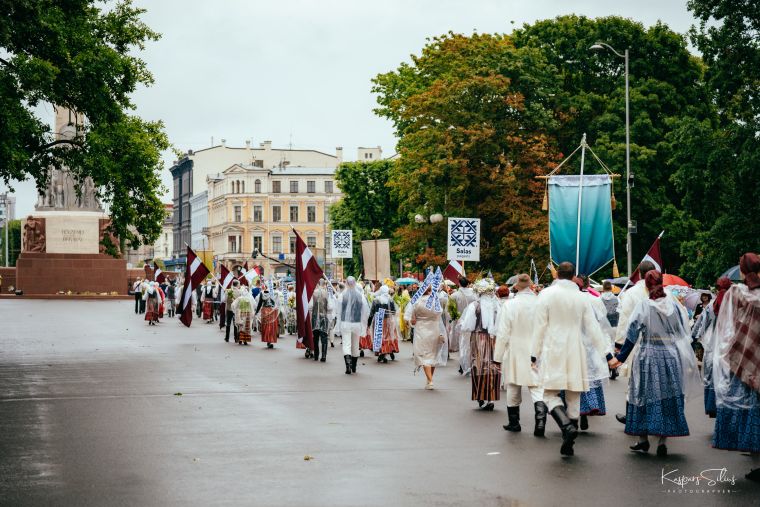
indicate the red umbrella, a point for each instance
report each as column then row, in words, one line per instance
column 668, row 279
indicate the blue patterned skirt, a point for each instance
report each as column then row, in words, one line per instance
column 738, row 429
column 663, row 418
column 592, row 401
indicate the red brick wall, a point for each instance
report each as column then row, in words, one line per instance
column 9, row 278
column 44, row 273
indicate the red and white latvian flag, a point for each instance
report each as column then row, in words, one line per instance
column 226, row 277
column 251, row 274
column 158, row 275
column 195, row 272
column 653, row 256
column 308, row 274
column 453, row 271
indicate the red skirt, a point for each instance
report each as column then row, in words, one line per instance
column 151, row 310
column 365, row 342
column 208, row 310
column 243, row 335
column 269, row 325
column 390, row 337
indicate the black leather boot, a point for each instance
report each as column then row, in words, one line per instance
column 347, row 359
column 513, row 415
column 559, row 414
column 354, row 360
column 324, row 349
column 540, row 428
column 621, row 417
column 316, row 348
column 584, row 422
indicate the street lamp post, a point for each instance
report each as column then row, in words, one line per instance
column 628, row 244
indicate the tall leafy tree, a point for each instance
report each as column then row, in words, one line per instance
column 719, row 160
column 471, row 114
column 666, row 88
column 81, row 54
column 366, row 205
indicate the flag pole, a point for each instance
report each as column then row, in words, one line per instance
column 580, row 203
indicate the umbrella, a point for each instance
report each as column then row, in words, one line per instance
column 733, row 274
column 668, row 279
column 692, row 298
column 406, row 281
column 619, row 281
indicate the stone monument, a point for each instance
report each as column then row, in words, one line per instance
column 62, row 246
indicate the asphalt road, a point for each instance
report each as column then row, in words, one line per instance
column 89, row 415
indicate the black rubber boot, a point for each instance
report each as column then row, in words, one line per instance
column 575, row 423
column 324, row 349
column 559, row 414
column 347, row 359
column 354, row 360
column 513, row 415
column 540, row 428
column 584, row 422
column 316, row 348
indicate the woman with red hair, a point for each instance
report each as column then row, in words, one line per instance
column 736, row 365
column 663, row 370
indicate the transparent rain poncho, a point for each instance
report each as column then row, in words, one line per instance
column 736, row 358
column 596, row 363
column 665, row 366
column 704, row 332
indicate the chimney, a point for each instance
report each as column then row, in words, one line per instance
column 267, row 145
column 248, row 154
column 339, row 154
column 224, row 143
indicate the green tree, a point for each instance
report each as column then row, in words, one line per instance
column 719, row 161
column 471, row 114
column 81, row 56
column 14, row 242
column 366, row 204
column 666, row 88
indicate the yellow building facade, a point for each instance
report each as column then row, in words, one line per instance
column 253, row 208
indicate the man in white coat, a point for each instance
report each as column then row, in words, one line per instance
column 514, row 335
column 562, row 314
column 628, row 301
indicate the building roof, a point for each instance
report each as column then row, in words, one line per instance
column 286, row 171
column 260, row 149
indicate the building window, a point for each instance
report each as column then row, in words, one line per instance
column 327, row 245
column 258, row 213
column 276, row 187
column 258, row 243
column 294, row 187
column 276, row 213
column 257, row 186
column 292, row 243
column 311, row 187
column 311, row 241
column 232, row 245
column 329, row 187
column 311, row 213
column 238, row 214
column 276, row 244
column 327, row 214
column 294, row 213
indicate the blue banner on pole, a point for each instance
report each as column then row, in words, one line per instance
column 595, row 234
column 377, row 336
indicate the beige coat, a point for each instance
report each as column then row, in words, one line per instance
column 562, row 313
column 514, row 335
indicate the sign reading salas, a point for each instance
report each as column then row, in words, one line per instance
column 464, row 239
column 342, row 244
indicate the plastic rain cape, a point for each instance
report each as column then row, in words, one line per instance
column 704, row 332
column 665, row 366
column 737, row 328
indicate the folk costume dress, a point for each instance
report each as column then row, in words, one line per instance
column 462, row 297
column 152, row 302
column 207, row 296
column 479, row 319
column 430, row 347
column 663, row 371
column 243, row 309
column 736, row 371
column 270, row 317
column 382, row 325
column 704, row 333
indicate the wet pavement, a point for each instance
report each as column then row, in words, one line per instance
column 90, row 414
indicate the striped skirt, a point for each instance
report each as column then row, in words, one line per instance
column 485, row 373
column 269, row 324
column 244, row 334
column 390, row 336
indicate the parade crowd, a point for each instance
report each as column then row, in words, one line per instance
column 562, row 342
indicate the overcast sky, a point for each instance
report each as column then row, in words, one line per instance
column 298, row 71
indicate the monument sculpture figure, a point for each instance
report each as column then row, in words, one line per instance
column 34, row 235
